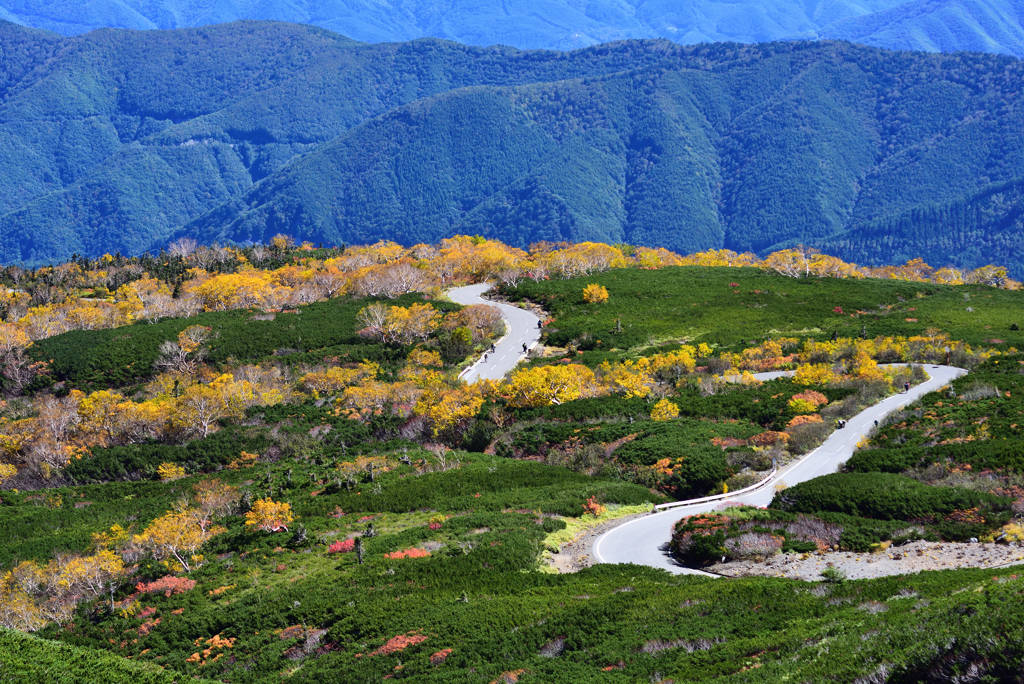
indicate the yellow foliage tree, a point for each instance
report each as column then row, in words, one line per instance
column 816, row 374
column 170, row 471
column 269, row 516
column 446, row 408
column 664, row 410
column 337, row 379
column 546, row 385
column 198, row 409
column 396, row 324
column 631, row 379
column 174, row 539
column 595, row 294
column 674, row 365
column 801, row 406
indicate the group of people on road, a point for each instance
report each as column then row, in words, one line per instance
column 491, row 351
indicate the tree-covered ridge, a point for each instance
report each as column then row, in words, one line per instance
column 949, row 26
column 120, row 140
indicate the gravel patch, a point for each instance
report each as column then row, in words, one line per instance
column 902, row 560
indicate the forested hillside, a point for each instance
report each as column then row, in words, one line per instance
column 946, row 25
column 121, row 140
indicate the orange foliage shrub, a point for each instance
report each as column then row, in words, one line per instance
column 593, row 507
column 407, row 553
column 768, row 438
column 803, row 420
column 399, row 643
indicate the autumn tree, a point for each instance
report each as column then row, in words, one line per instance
column 198, row 409
column 446, row 408
column 664, row 410
column 595, row 294
column 396, row 324
column 175, row 538
column 555, row 384
column 17, row 369
column 188, row 352
column 631, row 379
column 482, row 320
column 672, row 366
column 794, row 263
column 338, row 378
column 269, row 516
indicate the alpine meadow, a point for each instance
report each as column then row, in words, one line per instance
column 239, row 464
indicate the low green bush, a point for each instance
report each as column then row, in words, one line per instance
column 26, row 659
column 955, row 512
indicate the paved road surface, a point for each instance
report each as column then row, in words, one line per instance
column 645, row 540
column 522, row 329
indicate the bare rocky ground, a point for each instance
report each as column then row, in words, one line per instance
column 903, row 560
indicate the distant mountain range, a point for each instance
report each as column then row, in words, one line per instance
column 930, row 25
column 122, row 140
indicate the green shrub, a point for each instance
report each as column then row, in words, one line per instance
column 886, row 496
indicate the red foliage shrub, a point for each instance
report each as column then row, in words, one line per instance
column 816, row 398
column 593, row 507
column 439, row 657
column 344, row 546
column 166, row 585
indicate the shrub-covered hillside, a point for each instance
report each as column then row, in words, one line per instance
column 247, row 464
column 733, row 307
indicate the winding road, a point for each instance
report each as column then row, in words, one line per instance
column 644, row 540
column 523, row 329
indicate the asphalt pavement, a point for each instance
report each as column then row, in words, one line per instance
column 522, row 329
column 644, row 541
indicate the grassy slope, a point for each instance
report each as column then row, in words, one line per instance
column 700, row 305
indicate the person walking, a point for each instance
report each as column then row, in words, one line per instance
column 906, row 387
column 524, row 347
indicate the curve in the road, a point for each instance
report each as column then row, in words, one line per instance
column 523, row 333
column 644, row 541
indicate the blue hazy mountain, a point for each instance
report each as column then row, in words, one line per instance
column 931, row 25
column 939, row 26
